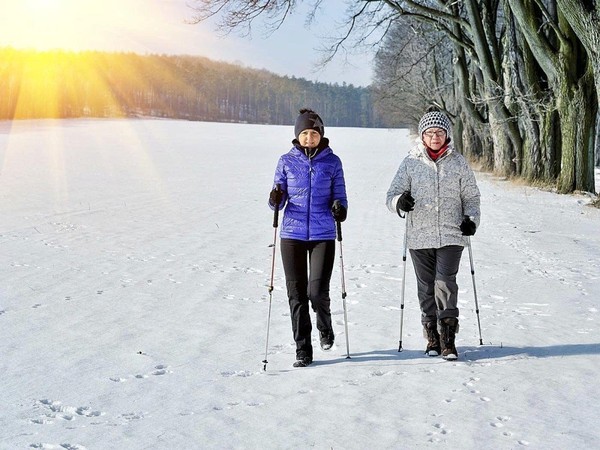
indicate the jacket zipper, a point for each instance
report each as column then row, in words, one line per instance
column 310, row 172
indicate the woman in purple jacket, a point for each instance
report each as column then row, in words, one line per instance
column 312, row 192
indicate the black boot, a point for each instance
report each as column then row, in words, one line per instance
column 326, row 339
column 430, row 333
column 448, row 330
column 303, row 359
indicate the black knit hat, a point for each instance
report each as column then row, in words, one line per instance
column 434, row 118
column 308, row 120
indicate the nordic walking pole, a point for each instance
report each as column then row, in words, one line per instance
column 275, row 224
column 339, row 238
column 474, row 289
column 403, row 281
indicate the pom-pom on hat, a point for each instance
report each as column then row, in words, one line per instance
column 434, row 118
column 308, row 120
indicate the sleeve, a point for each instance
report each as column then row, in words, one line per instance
column 281, row 180
column 400, row 184
column 470, row 196
column 339, row 185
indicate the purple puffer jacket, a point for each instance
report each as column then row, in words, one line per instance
column 310, row 186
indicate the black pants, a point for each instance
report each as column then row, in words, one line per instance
column 308, row 266
column 436, row 270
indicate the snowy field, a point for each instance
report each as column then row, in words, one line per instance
column 135, row 261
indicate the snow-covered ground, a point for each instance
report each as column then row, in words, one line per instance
column 134, row 266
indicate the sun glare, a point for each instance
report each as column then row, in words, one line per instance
column 44, row 4
column 140, row 26
column 65, row 24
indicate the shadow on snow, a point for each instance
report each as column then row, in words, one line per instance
column 472, row 353
column 481, row 352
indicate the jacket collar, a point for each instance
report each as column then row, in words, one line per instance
column 322, row 149
column 420, row 151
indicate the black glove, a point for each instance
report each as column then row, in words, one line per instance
column 468, row 227
column 405, row 203
column 338, row 211
column 275, row 197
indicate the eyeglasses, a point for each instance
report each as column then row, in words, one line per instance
column 431, row 134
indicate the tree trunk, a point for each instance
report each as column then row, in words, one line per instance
column 585, row 21
column 577, row 115
column 569, row 74
column 503, row 127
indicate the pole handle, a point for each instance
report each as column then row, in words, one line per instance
column 276, row 212
column 338, row 224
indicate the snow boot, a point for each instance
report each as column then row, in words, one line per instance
column 303, row 358
column 430, row 333
column 326, row 339
column 303, row 361
column 448, row 330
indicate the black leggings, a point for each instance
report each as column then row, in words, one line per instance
column 308, row 279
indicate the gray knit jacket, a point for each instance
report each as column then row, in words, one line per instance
column 444, row 192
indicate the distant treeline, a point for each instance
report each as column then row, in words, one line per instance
column 58, row 84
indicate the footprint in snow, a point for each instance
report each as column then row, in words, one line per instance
column 132, row 416
column 41, row 421
column 442, row 430
column 379, row 373
column 499, row 422
column 118, row 379
column 159, row 370
column 470, row 382
column 236, row 373
column 56, row 410
column 64, row 446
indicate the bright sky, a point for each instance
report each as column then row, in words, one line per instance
column 159, row 26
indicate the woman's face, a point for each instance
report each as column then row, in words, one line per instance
column 434, row 138
column 309, row 138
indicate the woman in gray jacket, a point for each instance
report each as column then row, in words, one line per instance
column 436, row 191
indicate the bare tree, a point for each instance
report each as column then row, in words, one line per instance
column 515, row 108
column 568, row 69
